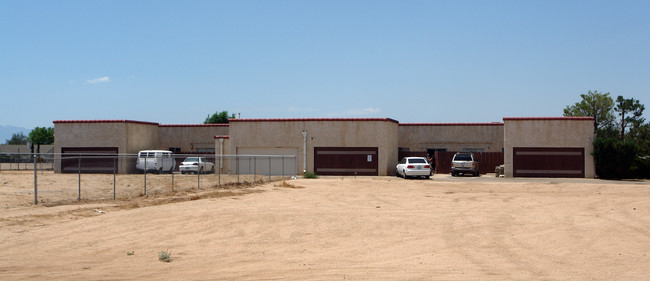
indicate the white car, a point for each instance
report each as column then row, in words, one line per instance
column 196, row 165
column 413, row 167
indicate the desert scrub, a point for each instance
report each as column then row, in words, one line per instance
column 310, row 175
column 165, row 256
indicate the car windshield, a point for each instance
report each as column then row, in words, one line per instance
column 463, row 157
column 417, row 160
column 191, row 159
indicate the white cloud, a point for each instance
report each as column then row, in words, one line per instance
column 99, row 80
column 357, row 112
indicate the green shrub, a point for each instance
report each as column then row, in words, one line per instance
column 613, row 157
column 165, row 256
column 310, row 175
column 640, row 168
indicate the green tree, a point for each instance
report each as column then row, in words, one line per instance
column 596, row 105
column 41, row 135
column 630, row 112
column 613, row 157
column 218, row 117
column 641, row 136
column 17, row 138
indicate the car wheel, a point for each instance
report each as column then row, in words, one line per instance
column 160, row 171
column 182, row 172
column 427, row 177
column 201, row 170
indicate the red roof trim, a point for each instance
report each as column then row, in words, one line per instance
column 138, row 122
column 194, row 125
column 221, row 137
column 104, row 121
column 452, row 124
column 548, row 118
column 312, row 119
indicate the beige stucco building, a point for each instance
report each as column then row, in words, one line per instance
column 101, row 137
column 337, row 146
column 474, row 137
column 303, row 137
column 557, row 146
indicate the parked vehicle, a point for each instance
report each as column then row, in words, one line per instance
column 464, row 163
column 413, row 167
column 196, row 165
column 156, row 160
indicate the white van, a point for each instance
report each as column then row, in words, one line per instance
column 156, row 160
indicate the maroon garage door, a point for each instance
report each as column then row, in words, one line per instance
column 344, row 161
column 554, row 162
column 88, row 159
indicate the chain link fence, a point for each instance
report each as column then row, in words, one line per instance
column 62, row 178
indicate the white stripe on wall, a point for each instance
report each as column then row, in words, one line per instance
column 556, row 153
column 548, row 172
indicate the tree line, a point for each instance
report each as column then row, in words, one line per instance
column 37, row 136
column 622, row 135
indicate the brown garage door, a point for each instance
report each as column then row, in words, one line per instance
column 554, row 162
column 344, row 161
column 93, row 159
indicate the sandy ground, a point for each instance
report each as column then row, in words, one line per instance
column 332, row 228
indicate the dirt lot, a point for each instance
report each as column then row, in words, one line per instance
column 332, row 228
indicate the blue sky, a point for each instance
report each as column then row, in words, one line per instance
column 175, row 62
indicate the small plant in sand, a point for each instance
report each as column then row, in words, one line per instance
column 131, row 253
column 288, row 185
column 165, row 256
column 310, row 175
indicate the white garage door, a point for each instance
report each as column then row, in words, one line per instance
column 261, row 160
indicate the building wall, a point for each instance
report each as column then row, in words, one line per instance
column 287, row 133
column 190, row 138
column 549, row 132
column 128, row 136
column 451, row 136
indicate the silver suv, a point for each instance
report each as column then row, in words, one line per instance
column 464, row 163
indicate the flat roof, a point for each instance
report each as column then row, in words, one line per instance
column 104, row 121
column 138, row 122
column 194, row 125
column 547, row 118
column 311, row 119
column 452, row 124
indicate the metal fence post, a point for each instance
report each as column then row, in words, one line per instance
column 79, row 172
column 146, row 156
column 254, row 169
column 114, row 168
column 282, row 166
column 198, row 174
column 269, row 168
column 35, row 182
column 237, row 168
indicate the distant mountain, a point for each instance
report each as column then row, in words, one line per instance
column 7, row 131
